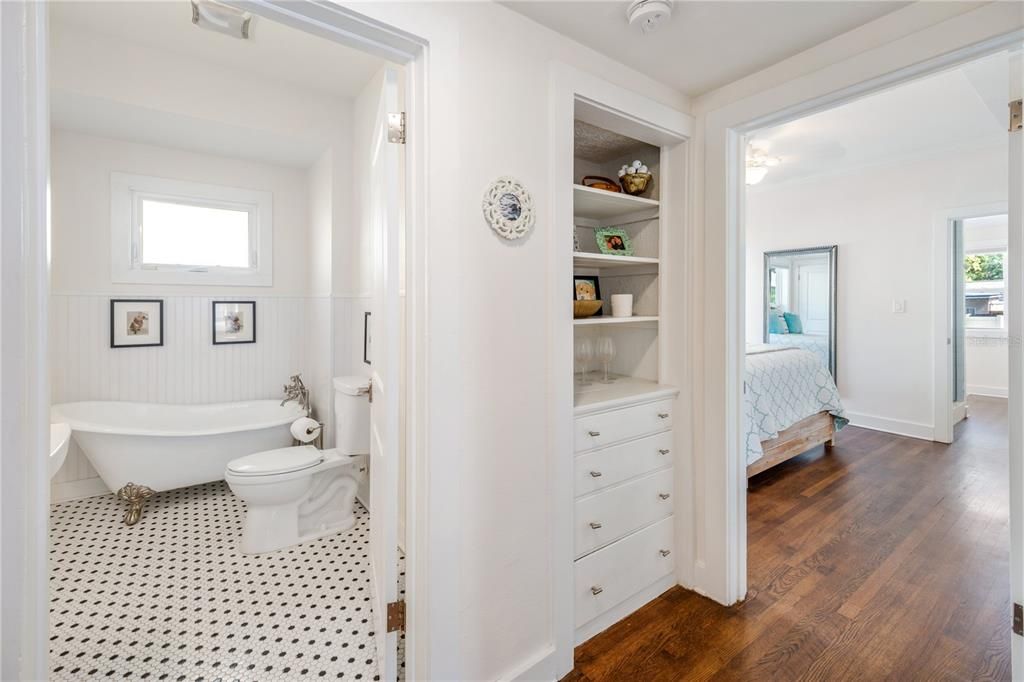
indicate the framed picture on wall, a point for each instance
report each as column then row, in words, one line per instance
column 136, row 322
column 234, row 322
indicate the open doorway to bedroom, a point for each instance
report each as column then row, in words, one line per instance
column 876, row 367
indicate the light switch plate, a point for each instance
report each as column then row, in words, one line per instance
column 899, row 306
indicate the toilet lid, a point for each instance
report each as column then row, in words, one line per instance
column 280, row 461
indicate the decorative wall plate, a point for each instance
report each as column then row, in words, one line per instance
column 508, row 208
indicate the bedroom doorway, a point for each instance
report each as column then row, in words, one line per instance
column 870, row 178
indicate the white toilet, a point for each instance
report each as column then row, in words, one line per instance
column 302, row 493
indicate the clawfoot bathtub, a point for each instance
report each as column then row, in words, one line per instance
column 142, row 448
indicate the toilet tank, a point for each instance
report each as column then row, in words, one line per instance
column 352, row 415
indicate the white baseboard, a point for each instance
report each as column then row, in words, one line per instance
column 76, row 490
column 896, row 426
column 537, row 668
column 988, row 391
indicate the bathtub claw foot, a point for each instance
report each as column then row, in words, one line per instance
column 135, row 496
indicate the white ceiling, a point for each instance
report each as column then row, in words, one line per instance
column 275, row 51
column 957, row 109
column 705, row 44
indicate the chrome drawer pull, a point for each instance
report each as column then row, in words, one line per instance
column 595, row 590
column 594, row 434
column 664, row 552
column 595, row 525
column 596, row 474
column 664, row 496
column 664, row 451
column 663, row 415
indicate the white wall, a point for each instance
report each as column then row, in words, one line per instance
column 81, row 168
column 883, row 220
column 486, row 416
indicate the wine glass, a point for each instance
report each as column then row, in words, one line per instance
column 605, row 353
column 584, row 354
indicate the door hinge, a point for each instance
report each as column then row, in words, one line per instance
column 369, row 390
column 396, row 616
column 396, row 127
column 1016, row 113
column 1018, row 620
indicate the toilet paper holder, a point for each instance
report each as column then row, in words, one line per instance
column 310, row 429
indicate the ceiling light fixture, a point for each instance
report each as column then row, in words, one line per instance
column 650, row 14
column 220, row 18
column 758, row 163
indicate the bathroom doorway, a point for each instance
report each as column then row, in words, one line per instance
column 242, row 214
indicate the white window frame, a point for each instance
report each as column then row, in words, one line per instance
column 983, row 246
column 127, row 192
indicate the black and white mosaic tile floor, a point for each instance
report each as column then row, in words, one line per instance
column 172, row 598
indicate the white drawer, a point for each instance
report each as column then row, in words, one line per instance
column 605, row 428
column 611, row 575
column 614, row 512
column 603, row 468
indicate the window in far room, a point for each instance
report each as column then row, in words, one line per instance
column 985, row 259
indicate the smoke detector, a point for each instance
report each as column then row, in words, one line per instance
column 649, row 14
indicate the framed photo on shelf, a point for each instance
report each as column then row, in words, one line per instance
column 136, row 323
column 614, row 241
column 586, row 288
column 234, row 322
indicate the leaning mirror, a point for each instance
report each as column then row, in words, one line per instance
column 800, row 301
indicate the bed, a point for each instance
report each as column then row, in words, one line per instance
column 815, row 343
column 791, row 404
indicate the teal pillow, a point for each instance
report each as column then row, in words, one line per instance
column 777, row 323
column 793, row 323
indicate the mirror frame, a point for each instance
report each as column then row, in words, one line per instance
column 833, row 260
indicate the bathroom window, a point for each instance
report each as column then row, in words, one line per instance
column 175, row 232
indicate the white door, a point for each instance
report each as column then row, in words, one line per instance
column 385, row 375
column 1015, row 326
column 814, row 292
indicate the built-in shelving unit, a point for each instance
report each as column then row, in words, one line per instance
column 624, row 501
column 594, row 321
column 602, row 205
column 622, row 388
column 600, row 153
column 605, row 261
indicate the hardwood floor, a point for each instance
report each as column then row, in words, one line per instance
column 884, row 560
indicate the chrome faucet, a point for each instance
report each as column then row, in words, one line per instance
column 297, row 390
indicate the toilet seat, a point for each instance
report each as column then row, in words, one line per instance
column 279, row 461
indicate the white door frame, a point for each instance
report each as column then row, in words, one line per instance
column 721, row 564
column 942, row 317
column 24, row 400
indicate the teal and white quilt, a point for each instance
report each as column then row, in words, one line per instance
column 783, row 386
column 812, row 342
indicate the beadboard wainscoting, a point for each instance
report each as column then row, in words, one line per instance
column 188, row 368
